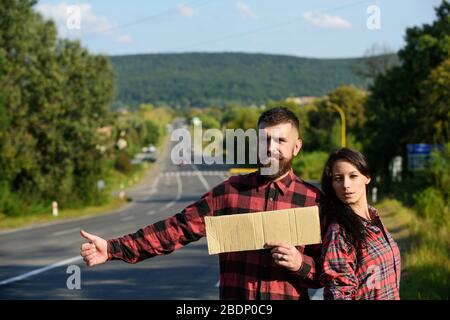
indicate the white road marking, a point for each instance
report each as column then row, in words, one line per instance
column 180, row 189
column 127, row 218
column 152, row 189
column 201, row 177
column 178, row 197
column 191, row 173
column 41, row 270
column 151, row 212
column 168, row 205
column 60, row 233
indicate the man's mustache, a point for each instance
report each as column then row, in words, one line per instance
column 276, row 156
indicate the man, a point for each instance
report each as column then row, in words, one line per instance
column 284, row 272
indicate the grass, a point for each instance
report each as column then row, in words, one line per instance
column 425, row 248
column 7, row 223
column 117, row 180
column 114, row 182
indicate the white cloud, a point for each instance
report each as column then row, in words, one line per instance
column 324, row 20
column 245, row 11
column 186, row 10
column 124, row 39
column 89, row 23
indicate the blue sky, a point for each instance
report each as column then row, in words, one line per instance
column 309, row 28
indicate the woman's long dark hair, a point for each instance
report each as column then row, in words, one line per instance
column 333, row 208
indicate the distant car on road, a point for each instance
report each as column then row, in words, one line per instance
column 144, row 157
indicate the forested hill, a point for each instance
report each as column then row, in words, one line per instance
column 201, row 79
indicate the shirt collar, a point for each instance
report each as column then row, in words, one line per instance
column 283, row 184
column 373, row 217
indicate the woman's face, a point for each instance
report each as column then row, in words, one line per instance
column 349, row 183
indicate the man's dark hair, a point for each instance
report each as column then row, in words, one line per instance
column 279, row 115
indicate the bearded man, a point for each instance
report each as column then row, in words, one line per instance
column 280, row 272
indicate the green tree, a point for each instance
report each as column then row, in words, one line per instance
column 324, row 132
column 378, row 59
column 152, row 133
column 351, row 99
column 55, row 97
column 240, row 117
column 397, row 112
column 436, row 93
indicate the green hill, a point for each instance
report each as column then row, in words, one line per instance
column 202, row 79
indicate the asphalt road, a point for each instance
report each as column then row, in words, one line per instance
column 34, row 262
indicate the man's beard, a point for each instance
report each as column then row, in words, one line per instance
column 284, row 165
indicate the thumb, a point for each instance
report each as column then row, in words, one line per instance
column 87, row 236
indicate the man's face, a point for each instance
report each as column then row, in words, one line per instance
column 283, row 144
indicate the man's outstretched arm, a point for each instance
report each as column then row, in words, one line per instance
column 160, row 238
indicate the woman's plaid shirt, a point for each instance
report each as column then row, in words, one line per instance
column 370, row 273
column 243, row 275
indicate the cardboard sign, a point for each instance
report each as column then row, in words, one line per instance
column 251, row 231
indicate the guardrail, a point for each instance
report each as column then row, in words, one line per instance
column 235, row 171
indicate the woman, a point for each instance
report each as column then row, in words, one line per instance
column 360, row 258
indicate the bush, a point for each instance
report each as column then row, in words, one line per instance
column 432, row 202
column 123, row 163
column 439, row 169
column 430, row 205
column 9, row 203
column 152, row 131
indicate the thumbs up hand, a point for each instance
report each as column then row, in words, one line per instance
column 94, row 252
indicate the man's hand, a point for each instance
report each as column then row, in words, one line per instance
column 94, row 252
column 285, row 255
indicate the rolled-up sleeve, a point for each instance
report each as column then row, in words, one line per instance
column 338, row 274
column 164, row 236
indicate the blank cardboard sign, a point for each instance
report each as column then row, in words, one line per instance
column 250, row 231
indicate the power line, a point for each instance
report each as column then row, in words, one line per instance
column 240, row 34
column 269, row 27
column 149, row 18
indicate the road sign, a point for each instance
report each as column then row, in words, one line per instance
column 419, row 148
column 418, row 155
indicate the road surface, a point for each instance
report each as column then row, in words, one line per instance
column 34, row 261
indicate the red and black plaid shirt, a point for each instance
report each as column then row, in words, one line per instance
column 371, row 272
column 243, row 275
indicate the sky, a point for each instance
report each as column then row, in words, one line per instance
column 305, row 28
